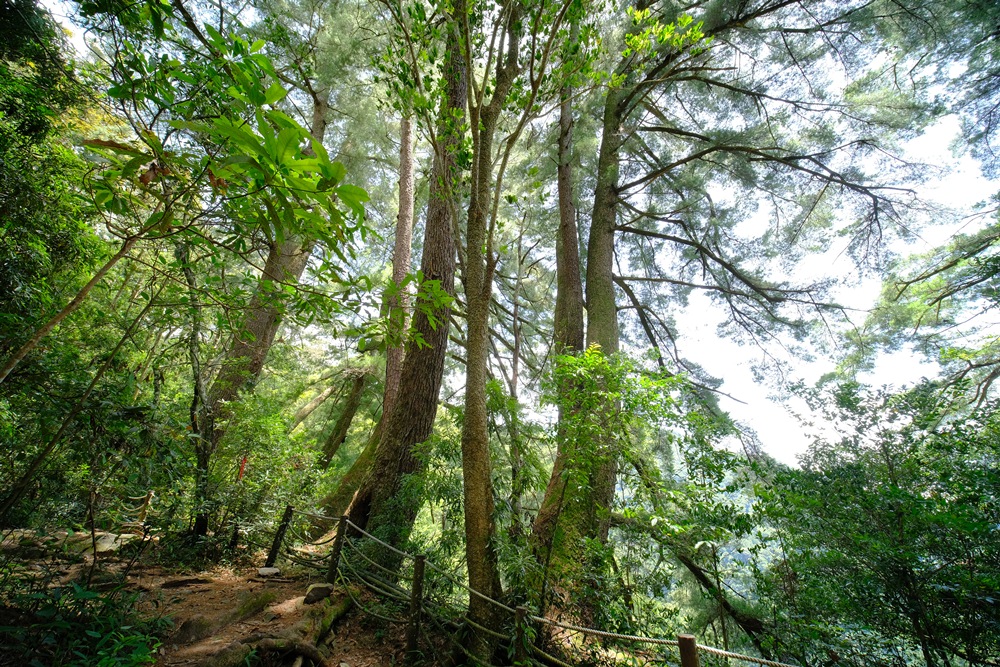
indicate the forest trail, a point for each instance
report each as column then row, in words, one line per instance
column 216, row 612
column 218, row 615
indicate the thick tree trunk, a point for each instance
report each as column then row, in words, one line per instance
column 569, row 285
column 339, row 433
column 242, row 364
column 571, row 514
column 568, row 325
column 241, row 367
column 602, row 311
column 374, row 485
column 477, row 479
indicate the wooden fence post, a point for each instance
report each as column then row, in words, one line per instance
column 689, row 650
column 338, row 544
column 520, row 636
column 286, row 519
column 416, row 597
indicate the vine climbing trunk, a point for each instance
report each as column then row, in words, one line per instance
column 571, row 514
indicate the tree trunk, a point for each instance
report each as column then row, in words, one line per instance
column 571, row 514
column 242, row 364
column 568, row 324
column 517, row 481
column 303, row 413
column 199, row 415
column 373, row 488
column 569, row 285
column 339, row 433
column 398, row 306
column 477, row 481
column 70, row 307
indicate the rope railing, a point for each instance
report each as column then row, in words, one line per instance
column 603, row 633
column 378, row 566
column 711, row 650
column 445, row 617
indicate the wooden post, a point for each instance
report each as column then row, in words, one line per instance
column 689, row 650
column 338, row 545
column 520, row 636
column 416, row 597
column 286, row 519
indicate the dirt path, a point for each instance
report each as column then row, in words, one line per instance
column 220, row 615
column 216, row 610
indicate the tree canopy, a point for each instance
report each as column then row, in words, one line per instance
column 430, row 265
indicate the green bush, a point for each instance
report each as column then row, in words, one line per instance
column 72, row 626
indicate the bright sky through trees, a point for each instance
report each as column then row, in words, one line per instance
column 958, row 187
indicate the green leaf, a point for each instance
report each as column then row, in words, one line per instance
column 275, row 93
column 354, row 197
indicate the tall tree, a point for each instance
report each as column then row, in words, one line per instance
column 480, row 262
column 678, row 122
column 371, row 491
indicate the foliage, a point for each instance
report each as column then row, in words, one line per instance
column 71, row 626
column 45, row 236
column 888, row 534
column 746, row 138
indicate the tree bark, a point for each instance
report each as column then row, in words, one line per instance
column 339, row 433
column 199, row 415
column 303, row 413
column 241, row 367
column 373, row 488
column 568, row 323
column 572, row 514
column 398, row 306
column 477, row 481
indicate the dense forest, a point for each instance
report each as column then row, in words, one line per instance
column 430, row 266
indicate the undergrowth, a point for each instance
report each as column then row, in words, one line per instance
column 72, row 626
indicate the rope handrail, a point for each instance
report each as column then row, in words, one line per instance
column 313, row 515
column 355, row 549
column 373, row 582
column 482, row 628
column 357, row 603
column 458, row 644
column 367, row 578
column 711, row 650
column 548, row 657
column 377, row 540
column 604, row 633
column 297, row 534
column 458, row 583
column 303, row 562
